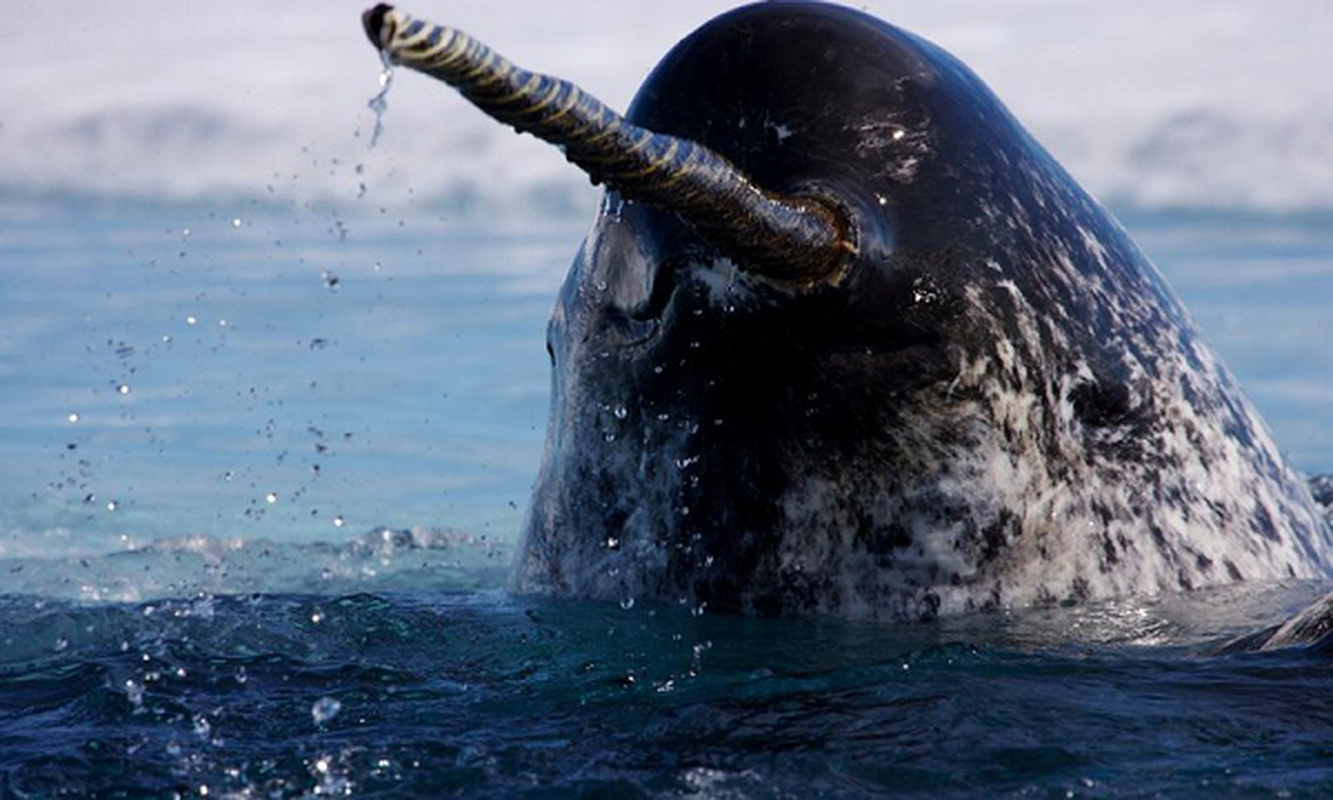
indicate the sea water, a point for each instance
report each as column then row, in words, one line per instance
column 261, row 473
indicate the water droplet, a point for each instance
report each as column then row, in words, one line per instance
column 317, row 617
column 191, row 320
column 610, row 437
column 338, row 521
column 621, row 412
column 330, row 280
column 73, row 417
column 627, row 603
column 112, row 505
column 134, row 693
column 124, row 388
column 612, row 543
column 202, row 727
column 325, row 709
column 236, row 222
column 271, row 498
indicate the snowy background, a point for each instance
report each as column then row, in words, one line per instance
column 1219, row 104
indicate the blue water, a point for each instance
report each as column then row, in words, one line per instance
column 261, row 469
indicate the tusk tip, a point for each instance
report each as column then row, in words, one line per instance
column 373, row 20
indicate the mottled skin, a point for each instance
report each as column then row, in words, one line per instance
column 998, row 403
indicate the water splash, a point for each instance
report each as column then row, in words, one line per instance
column 380, row 102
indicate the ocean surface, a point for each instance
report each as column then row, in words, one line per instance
column 271, row 403
column 261, row 470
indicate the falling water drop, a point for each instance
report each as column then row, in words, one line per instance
column 380, row 102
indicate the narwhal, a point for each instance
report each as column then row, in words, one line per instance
column 845, row 338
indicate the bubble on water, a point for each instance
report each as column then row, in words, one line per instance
column 112, row 505
column 325, row 709
column 338, row 521
column 627, row 603
column 134, row 693
column 191, row 320
column 123, row 389
column 621, row 412
column 271, row 498
column 73, row 417
column 236, row 222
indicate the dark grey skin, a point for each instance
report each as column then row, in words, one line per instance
column 997, row 402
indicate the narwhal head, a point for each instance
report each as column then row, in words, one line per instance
column 759, row 353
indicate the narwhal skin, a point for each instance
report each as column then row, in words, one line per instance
column 844, row 338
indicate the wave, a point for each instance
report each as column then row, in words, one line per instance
column 379, row 560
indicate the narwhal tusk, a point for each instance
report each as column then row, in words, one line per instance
column 805, row 240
